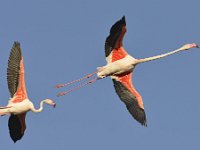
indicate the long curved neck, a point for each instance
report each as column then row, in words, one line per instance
column 38, row 110
column 158, row 56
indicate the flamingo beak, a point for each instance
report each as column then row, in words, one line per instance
column 195, row 45
column 54, row 105
column 189, row 46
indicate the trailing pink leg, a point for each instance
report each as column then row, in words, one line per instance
column 78, row 87
column 74, row 81
column 4, row 107
column 4, row 110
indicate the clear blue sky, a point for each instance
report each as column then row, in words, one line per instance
column 63, row 40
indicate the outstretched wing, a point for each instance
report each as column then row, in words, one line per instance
column 131, row 98
column 113, row 44
column 123, row 83
column 17, row 126
column 15, row 74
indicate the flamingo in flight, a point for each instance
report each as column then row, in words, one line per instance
column 120, row 66
column 19, row 103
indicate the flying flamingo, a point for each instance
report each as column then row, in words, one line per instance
column 119, row 67
column 19, row 104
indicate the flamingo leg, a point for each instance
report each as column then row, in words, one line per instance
column 4, row 110
column 3, row 114
column 74, row 81
column 4, row 107
column 78, row 87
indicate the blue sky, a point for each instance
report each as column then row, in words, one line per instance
column 64, row 40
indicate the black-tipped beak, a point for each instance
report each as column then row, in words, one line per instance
column 195, row 45
column 54, row 105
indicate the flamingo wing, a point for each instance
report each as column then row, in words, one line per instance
column 123, row 83
column 17, row 126
column 15, row 74
column 128, row 94
column 113, row 43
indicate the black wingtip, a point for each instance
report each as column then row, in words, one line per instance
column 138, row 114
column 144, row 120
column 144, row 123
column 16, row 44
column 118, row 25
column 114, row 40
column 123, row 19
column 15, row 140
column 14, row 125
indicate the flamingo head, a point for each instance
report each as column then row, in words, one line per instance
column 50, row 102
column 188, row 46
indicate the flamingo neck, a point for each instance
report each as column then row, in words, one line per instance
column 158, row 56
column 39, row 109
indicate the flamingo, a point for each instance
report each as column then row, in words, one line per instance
column 19, row 103
column 120, row 66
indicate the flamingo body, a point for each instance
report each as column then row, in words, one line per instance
column 19, row 107
column 119, row 67
column 19, row 103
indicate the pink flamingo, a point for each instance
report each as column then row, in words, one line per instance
column 120, row 66
column 19, row 104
